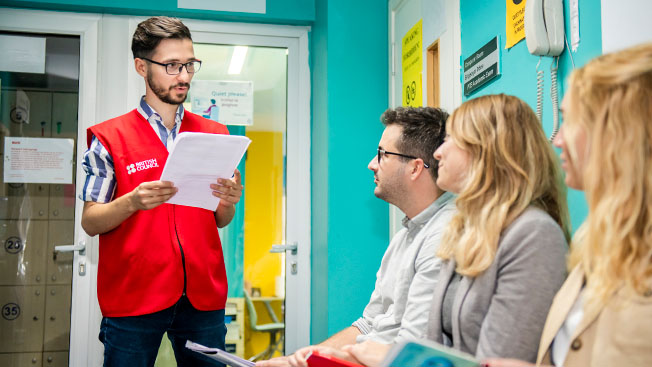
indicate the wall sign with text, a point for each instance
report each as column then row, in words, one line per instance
column 226, row 101
column 482, row 66
column 411, row 62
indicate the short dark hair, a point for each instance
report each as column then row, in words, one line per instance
column 150, row 32
column 424, row 130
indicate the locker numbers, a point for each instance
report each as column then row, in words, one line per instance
column 18, row 115
column 10, row 311
column 13, row 245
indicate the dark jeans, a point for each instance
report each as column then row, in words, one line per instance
column 134, row 341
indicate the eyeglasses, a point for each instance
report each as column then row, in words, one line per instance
column 174, row 68
column 382, row 152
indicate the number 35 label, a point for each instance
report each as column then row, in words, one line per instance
column 10, row 311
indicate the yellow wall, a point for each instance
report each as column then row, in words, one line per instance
column 264, row 223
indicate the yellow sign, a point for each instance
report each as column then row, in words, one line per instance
column 412, row 66
column 514, row 22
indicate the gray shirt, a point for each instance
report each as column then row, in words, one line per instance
column 399, row 305
column 501, row 312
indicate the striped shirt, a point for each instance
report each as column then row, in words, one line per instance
column 98, row 163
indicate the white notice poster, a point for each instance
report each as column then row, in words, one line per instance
column 38, row 160
column 228, row 102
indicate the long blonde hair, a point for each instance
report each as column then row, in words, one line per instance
column 513, row 166
column 612, row 104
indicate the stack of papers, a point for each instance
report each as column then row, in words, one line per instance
column 196, row 161
column 220, row 355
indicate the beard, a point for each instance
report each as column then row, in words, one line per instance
column 390, row 189
column 166, row 95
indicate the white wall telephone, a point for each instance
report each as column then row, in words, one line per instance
column 544, row 27
column 544, row 35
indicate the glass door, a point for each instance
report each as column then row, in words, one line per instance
column 38, row 136
column 245, row 88
column 271, row 289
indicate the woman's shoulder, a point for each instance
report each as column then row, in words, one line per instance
column 533, row 227
column 533, row 220
column 533, row 215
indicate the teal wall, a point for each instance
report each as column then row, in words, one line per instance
column 295, row 12
column 349, row 224
column 483, row 20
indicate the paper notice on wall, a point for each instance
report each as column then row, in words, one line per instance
column 412, row 64
column 226, row 101
column 22, row 54
column 514, row 24
column 38, row 160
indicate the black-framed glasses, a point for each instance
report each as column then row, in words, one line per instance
column 382, row 152
column 174, row 68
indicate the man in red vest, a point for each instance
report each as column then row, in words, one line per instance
column 161, row 267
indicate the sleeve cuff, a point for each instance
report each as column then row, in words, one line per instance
column 362, row 325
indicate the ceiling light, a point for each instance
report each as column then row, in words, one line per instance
column 237, row 60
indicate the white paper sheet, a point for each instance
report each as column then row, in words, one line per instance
column 220, row 355
column 22, row 54
column 197, row 160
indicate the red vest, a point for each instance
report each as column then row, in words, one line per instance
column 141, row 263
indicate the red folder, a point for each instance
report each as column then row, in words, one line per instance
column 324, row 360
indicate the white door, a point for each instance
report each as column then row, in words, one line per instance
column 44, row 293
column 276, row 169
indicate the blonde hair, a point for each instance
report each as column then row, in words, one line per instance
column 612, row 104
column 513, row 166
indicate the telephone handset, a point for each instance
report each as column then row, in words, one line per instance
column 544, row 35
column 544, row 27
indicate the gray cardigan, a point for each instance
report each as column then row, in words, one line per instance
column 501, row 312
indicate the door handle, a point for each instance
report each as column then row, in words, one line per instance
column 282, row 248
column 292, row 247
column 81, row 247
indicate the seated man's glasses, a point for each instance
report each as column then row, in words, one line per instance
column 174, row 68
column 382, row 152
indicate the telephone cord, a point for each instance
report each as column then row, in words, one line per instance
column 539, row 92
column 554, row 97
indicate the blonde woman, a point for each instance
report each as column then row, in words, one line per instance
column 602, row 316
column 504, row 251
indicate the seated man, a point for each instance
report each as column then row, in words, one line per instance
column 405, row 173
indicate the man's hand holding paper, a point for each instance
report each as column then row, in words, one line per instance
column 149, row 195
column 228, row 190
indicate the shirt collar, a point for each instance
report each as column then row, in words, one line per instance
column 147, row 112
column 428, row 212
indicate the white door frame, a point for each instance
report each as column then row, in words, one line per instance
column 118, row 30
column 86, row 27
